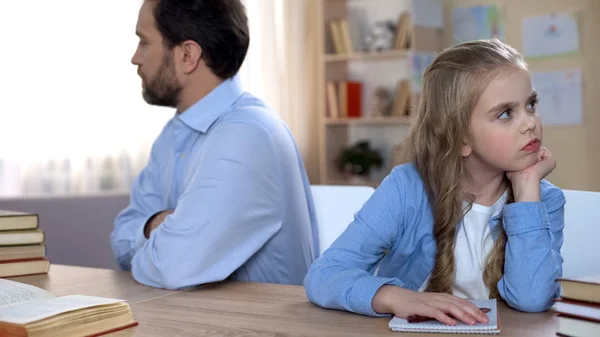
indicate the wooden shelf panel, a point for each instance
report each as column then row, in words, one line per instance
column 388, row 54
column 369, row 121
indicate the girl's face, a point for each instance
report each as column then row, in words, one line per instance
column 506, row 130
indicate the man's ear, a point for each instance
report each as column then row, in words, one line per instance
column 191, row 56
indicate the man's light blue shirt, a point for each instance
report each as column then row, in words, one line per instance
column 231, row 171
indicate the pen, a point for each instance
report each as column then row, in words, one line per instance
column 419, row 319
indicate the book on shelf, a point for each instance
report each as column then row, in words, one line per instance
column 29, row 311
column 13, row 220
column 344, row 99
column 343, row 24
column 340, row 36
column 403, row 31
column 402, row 99
column 332, row 100
column 353, row 99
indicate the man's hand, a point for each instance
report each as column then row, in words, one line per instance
column 155, row 221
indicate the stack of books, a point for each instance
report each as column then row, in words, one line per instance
column 579, row 307
column 22, row 247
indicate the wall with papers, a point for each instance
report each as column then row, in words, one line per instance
column 559, row 40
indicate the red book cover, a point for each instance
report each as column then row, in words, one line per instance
column 114, row 330
column 354, row 99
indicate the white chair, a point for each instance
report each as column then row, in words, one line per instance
column 581, row 249
column 335, row 207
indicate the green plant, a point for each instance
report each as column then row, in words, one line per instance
column 359, row 159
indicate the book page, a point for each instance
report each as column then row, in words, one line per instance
column 12, row 292
column 43, row 308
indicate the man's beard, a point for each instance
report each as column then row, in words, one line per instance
column 163, row 89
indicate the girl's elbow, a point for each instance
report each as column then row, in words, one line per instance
column 311, row 287
column 535, row 297
column 530, row 303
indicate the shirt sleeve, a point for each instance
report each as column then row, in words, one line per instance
column 145, row 201
column 227, row 213
column 342, row 278
column 532, row 258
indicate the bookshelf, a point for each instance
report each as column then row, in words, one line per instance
column 368, row 121
column 344, row 60
column 365, row 56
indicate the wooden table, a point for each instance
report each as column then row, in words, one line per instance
column 243, row 309
column 71, row 280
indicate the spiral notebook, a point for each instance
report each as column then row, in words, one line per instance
column 492, row 327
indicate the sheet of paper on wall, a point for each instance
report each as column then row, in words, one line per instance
column 550, row 35
column 428, row 13
column 418, row 62
column 477, row 22
column 560, row 96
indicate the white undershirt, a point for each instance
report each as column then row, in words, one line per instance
column 473, row 244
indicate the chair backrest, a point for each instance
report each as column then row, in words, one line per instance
column 335, row 207
column 580, row 249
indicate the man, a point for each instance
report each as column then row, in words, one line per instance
column 225, row 193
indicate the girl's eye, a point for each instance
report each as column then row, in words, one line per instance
column 532, row 105
column 505, row 114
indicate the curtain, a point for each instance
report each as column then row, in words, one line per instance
column 72, row 119
column 281, row 67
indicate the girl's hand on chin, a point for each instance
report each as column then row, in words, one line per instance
column 526, row 183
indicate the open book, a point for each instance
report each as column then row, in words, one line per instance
column 28, row 311
column 491, row 327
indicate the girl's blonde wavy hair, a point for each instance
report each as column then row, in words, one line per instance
column 452, row 85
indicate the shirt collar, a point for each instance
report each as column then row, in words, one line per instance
column 206, row 111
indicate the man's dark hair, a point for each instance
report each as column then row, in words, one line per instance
column 220, row 27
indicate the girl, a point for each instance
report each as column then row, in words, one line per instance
column 470, row 216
